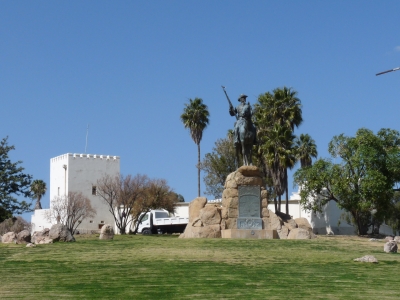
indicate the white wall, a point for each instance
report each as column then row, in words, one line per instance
column 327, row 222
column 83, row 171
column 322, row 223
column 58, row 176
column 39, row 221
column 182, row 210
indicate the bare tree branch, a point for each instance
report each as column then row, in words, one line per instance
column 70, row 210
column 121, row 193
column 156, row 195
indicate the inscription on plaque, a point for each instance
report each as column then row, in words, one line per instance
column 249, row 202
column 249, row 208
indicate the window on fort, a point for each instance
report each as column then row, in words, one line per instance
column 58, row 191
column 94, row 190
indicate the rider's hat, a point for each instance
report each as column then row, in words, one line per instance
column 242, row 96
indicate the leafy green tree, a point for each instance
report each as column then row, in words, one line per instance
column 362, row 182
column 195, row 118
column 305, row 149
column 179, row 198
column 394, row 219
column 217, row 165
column 276, row 115
column 13, row 182
column 4, row 214
column 38, row 188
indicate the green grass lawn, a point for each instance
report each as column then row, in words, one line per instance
column 165, row 267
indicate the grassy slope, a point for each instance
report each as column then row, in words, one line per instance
column 165, row 267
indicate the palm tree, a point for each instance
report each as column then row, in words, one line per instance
column 38, row 188
column 290, row 109
column 276, row 116
column 289, row 114
column 195, row 118
column 305, row 149
column 279, row 155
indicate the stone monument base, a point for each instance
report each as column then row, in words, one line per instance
column 249, row 234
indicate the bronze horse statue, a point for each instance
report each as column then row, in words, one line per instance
column 244, row 131
column 244, row 143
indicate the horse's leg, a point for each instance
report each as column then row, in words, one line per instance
column 242, row 145
column 237, row 147
column 250, row 159
column 249, row 146
column 248, row 155
column 244, row 154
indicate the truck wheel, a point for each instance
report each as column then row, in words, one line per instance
column 146, row 231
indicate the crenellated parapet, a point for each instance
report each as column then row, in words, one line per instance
column 85, row 156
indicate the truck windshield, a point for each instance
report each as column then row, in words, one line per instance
column 161, row 214
column 145, row 218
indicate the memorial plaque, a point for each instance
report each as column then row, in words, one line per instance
column 249, row 202
column 249, row 208
column 249, row 223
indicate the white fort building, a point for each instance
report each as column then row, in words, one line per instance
column 79, row 173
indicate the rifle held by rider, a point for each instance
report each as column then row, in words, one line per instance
column 231, row 108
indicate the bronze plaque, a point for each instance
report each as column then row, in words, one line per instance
column 249, row 208
column 249, row 202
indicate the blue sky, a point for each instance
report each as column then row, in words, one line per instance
column 126, row 68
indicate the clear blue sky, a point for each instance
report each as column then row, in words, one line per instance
column 127, row 68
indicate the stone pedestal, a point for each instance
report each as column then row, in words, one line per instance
column 245, row 206
column 243, row 213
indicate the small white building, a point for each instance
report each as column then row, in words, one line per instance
column 79, row 173
column 182, row 210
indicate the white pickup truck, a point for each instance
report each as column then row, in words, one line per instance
column 159, row 221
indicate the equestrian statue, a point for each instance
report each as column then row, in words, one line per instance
column 244, row 130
